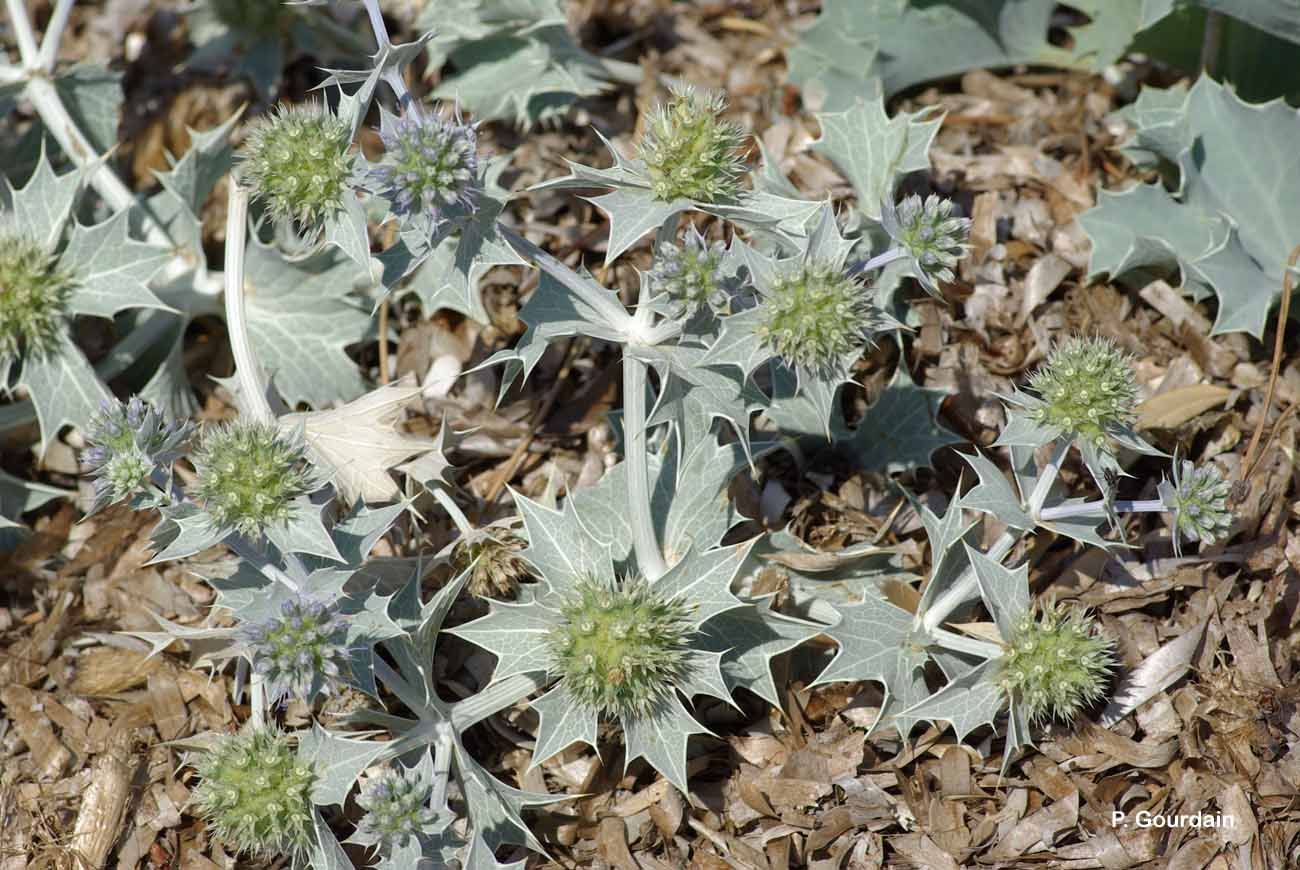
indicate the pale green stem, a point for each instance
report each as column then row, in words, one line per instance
column 49, row 53
column 496, row 697
column 649, row 557
column 23, row 33
column 602, row 301
column 257, row 698
column 965, row 644
column 252, row 383
column 1098, row 509
column 458, row 517
column 443, row 748
column 414, row 698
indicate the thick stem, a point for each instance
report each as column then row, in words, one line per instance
column 649, row 557
column 1098, row 509
column 1043, row 487
column 49, row 53
column 458, row 517
column 414, row 698
column 257, row 698
column 496, row 697
column 443, row 748
column 588, row 291
column 883, row 259
column 962, row 643
column 23, row 33
column 252, row 383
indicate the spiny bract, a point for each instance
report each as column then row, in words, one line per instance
column 932, row 237
column 298, row 160
column 1086, row 386
column 620, row 648
column 300, row 651
column 689, row 151
column 397, row 808
column 1056, row 663
column 814, row 316
column 429, row 164
column 249, row 476
column 255, row 793
column 127, row 442
column 34, row 295
column 690, row 275
column 1198, row 498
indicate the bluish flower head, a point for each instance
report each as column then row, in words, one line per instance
column 298, row 653
column 128, row 442
column 430, row 164
column 690, row 275
column 815, row 315
column 933, row 239
column 249, row 476
column 298, row 160
column 689, row 151
column 34, row 294
column 1198, row 499
column 397, row 808
column 1055, row 662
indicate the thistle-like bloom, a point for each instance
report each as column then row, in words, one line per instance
column 1056, row 663
column 397, row 808
column 497, row 566
column 430, row 164
column 1086, row 387
column 620, row 648
column 127, row 443
column 816, row 315
column 249, row 476
column 34, row 295
column 933, row 239
column 1198, row 499
column 298, row 160
column 689, row 151
column 690, row 276
column 255, row 793
column 298, row 653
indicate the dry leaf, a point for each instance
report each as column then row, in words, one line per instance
column 1160, row 671
column 1171, row 409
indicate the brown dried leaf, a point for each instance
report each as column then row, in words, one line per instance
column 1173, row 408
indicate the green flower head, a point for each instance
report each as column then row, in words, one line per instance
column 620, row 648
column 1198, row 499
column 34, row 294
column 298, row 160
column 1055, row 663
column 815, row 315
column 1085, row 387
column 255, row 793
column 250, row 476
column 689, row 151
column 933, row 239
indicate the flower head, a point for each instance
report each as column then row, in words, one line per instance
column 815, row 315
column 620, row 648
column 127, row 443
column 34, row 295
column 298, row 160
column 249, row 476
column 1198, row 498
column 690, row 276
column 397, row 808
column 689, row 151
column 300, row 651
column 255, row 793
column 932, row 237
column 497, row 566
column 430, row 164
column 1055, row 662
column 1085, row 387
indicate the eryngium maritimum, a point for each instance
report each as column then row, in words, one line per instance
column 249, row 476
column 298, row 652
column 1198, row 498
column 689, row 151
column 932, row 237
column 34, row 295
column 690, row 275
column 430, row 164
column 127, row 442
column 397, row 808
column 1086, row 386
column 816, row 315
column 1055, row 663
column 298, row 160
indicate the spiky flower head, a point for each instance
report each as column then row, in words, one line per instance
column 1086, row 387
column 128, row 441
column 1198, row 499
column 933, row 239
column 620, row 648
column 255, row 793
column 689, row 151
column 397, row 808
column 34, row 294
column 299, row 651
column 249, row 475
column 493, row 554
column 815, row 315
column 690, row 276
column 430, row 164
column 1055, row 662
column 297, row 159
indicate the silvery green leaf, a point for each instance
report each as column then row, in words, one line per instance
column 63, row 388
column 694, row 395
column 1211, row 227
column 624, row 173
column 1020, row 431
column 558, row 545
column 182, row 531
column 300, row 319
column 602, row 509
column 1017, row 734
column 346, row 230
column 326, row 851
column 900, row 430
column 703, row 580
column 704, row 676
column 994, row 494
column 337, row 760
column 562, row 722
column 804, row 403
column 515, row 633
column 1276, row 17
column 357, row 531
column 186, row 186
column 740, row 345
column 967, row 702
column 93, row 97
column 168, row 388
column 943, row 534
column 633, row 213
column 873, row 150
column 748, row 639
column 41, row 208
column 112, row 269
column 871, row 635
column 304, row 532
column 1005, row 590
column 389, row 60
column 17, row 496
column 699, row 511
column 769, row 178
column 661, row 739
column 494, row 809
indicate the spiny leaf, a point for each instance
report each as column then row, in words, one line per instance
column 42, row 207
column 64, row 389
column 749, row 638
column 112, row 268
column 967, row 702
column 900, row 430
column 562, row 722
column 337, row 760
column 661, row 740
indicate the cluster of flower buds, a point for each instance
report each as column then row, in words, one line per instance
column 298, row 160
column 493, row 554
column 1198, row 499
column 1086, row 387
column 397, row 808
column 250, row 476
column 34, row 294
column 255, row 793
column 128, row 442
column 690, row 276
column 815, row 315
column 620, row 649
column 689, row 151
column 1056, row 663
column 933, row 239
column 298, row 653
column 430, row 164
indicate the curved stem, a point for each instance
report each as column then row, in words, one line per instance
column 496, row 697
column 649, row 557
column 252, row 383
column 458, row 517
